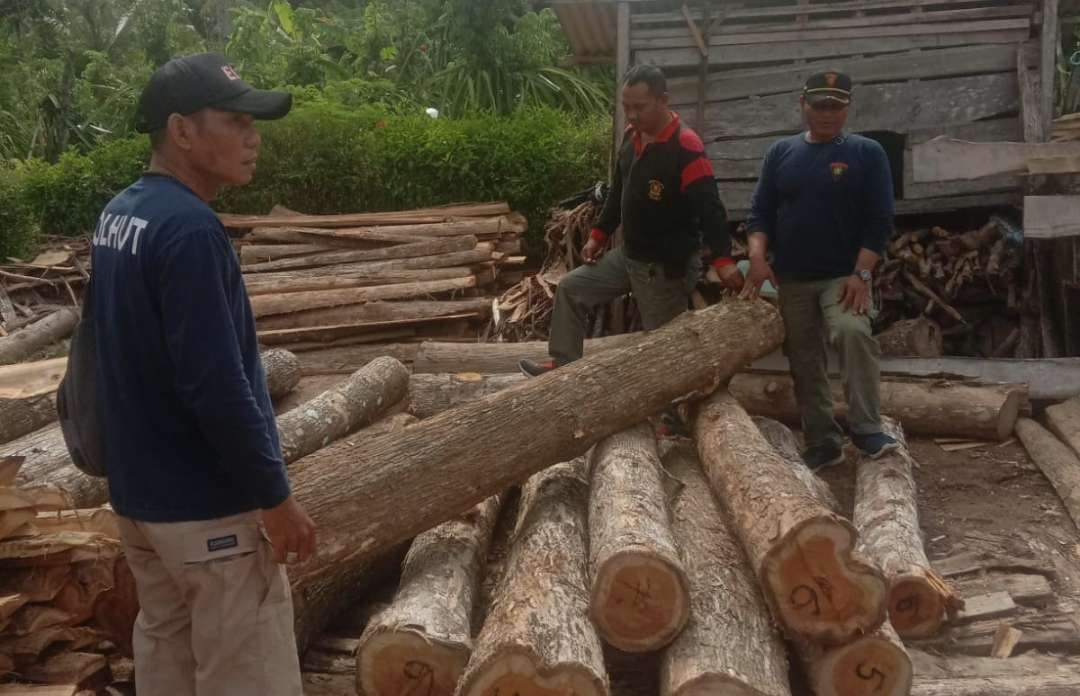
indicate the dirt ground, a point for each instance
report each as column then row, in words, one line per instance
column 989, row 503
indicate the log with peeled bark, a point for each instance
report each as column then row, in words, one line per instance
column 481, row 254
column 357, row 401
column 926, row 407
column 887, row 517
column 344, row 360
column 1057, row 462
column 1064, row 421
column 309, row 337
column 493, row 358
column 255, row 284
column 919, row 338
column 424, row 638
column 282, row 370
column 298, row 236
column 483, row 228
column 375, row 311
column 730, row 645
column 430, row 393
column 876, row 664
column 251, row 254
column 21, row 416
column 787, row 446
column 538, row 639
column 288, row 218
column 26, row 341
column 405, row 485
column 315, row 603
column 818, row 588
column 639, row 597
column 265, row 305
column 446, row 245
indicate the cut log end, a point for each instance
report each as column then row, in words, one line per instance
column 916, row 606
column 847, row 596
column 403, row 662
column 1008, row 414
column 716, row 685
column 871, row 666
column 517, row 674
column 640, row 602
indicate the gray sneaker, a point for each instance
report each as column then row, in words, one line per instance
column 874, row 445
column 822, row 456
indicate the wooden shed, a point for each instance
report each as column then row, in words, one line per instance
column 922, row 68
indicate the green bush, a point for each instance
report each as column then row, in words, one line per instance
column 18, row 228
column 325, row 158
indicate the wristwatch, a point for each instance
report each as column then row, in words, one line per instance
column 863, row 275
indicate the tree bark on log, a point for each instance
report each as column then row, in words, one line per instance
column 405, row 485
column 1064, row 421
column 357, row 401
column 344, row 360
column 430, row 393
column 251, row 254
column 1057, row 462
column 310, row 337
column 264, row 305
column 926, row 407
column 919, row 338
column 818, row 588
column 257, row 286
column 282, row 370
column 24, row 342
column 21, row 416
column 446, row 245
column 874, row 664
column 423, row 640
column 316, row 602
column 787, row 446
column 493, row 358
column 300, row 235
column 730, row 645
column 887, row 517
column 481, row 254
column 493, row 227
column 639, row 597
column 288, row 218
column 538, row 639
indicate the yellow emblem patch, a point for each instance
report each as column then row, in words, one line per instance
column 656, row 190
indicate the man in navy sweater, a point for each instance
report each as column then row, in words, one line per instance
column 194, row 464
column 824, row 207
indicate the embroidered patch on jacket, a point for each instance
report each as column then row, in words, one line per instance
column 222, row 543
column 838, row 170
column 656, row 190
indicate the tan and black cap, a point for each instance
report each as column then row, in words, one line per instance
column 831, row 85
column 189, row 84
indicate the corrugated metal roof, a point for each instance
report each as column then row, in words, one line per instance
column 590, row 28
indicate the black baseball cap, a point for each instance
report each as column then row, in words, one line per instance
column 831, row 85
column 186, row 85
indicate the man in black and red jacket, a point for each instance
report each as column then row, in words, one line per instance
column 664, row 195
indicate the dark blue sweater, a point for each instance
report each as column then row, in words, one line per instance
column 820, row 203
column 189, row 428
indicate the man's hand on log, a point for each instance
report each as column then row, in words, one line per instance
column 592, row 251
column 291, row 531
column 760, row 271
column 855, row 295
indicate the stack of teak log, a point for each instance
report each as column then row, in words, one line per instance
column 67, row 597
column 319, row 281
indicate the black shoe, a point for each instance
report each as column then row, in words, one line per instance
column 874, row 445
column 531, row 368
column 822, row 456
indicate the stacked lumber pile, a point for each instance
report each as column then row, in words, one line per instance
column 317, row 281
column 68, row 598
column 969, row 284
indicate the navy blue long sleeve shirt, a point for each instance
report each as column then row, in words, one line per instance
column 189, row 428
column 820, row 203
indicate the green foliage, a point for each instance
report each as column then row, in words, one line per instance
column 325, row 158
column 17, row 222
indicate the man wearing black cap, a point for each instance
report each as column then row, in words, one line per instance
column 824, row 208
column 194, row 463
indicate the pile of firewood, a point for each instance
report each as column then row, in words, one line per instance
column 319, row 281
column 969, row 284
column 68, row 600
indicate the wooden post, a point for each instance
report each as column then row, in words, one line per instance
column 1048, row 64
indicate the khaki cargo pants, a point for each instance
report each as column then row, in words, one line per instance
column 215, row 614
column 659, row 298
column 813, row 316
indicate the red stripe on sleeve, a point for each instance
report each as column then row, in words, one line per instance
column 697, row 169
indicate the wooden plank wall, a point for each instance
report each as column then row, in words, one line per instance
column 922, row 68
